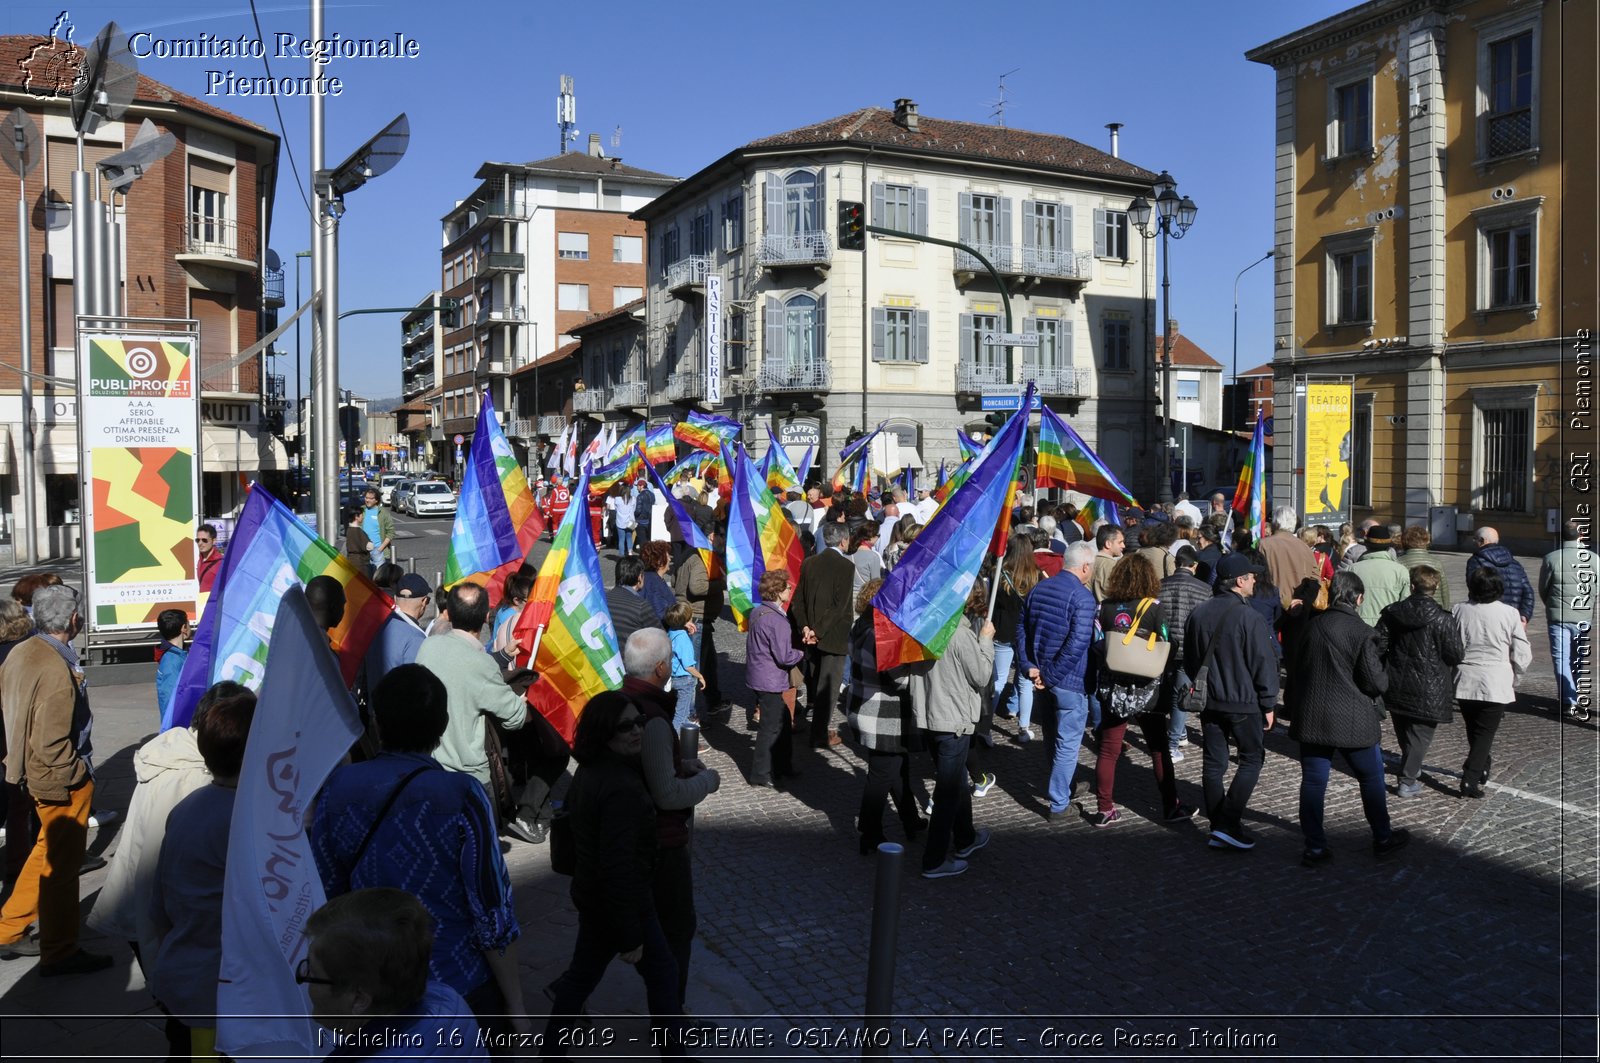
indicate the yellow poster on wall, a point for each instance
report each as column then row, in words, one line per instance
column 1328, row 421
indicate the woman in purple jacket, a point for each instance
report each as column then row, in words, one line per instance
column 770, row 652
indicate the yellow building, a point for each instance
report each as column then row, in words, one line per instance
column 1435, row 210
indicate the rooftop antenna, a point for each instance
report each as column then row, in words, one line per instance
column 999, row 112
column 567, row 113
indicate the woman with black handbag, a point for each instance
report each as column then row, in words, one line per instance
column 1131, row 659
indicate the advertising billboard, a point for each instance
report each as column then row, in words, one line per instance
column 1328, row 418
column 139, row 426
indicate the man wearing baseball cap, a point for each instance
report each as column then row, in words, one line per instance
column 402, row 634
column 1234, row 646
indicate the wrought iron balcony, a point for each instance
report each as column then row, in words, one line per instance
column 272, row 288
column 812, row 248
column 213, row 237
column 590, row 400
column 688, row 272
column 807, row 377
column 1065, row 265
column 633, row 394
column 972, row 377
column 998, row 254
column 1510, row 132
column 501, row 262
column 1059, row 381
column 551, row 424
column 686, row 387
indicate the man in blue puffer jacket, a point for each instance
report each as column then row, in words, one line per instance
column 1054, row 631
column 1519, row 592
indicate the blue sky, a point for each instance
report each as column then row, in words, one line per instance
column 686, row 83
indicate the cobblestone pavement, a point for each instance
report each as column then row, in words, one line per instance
column 1063, row 940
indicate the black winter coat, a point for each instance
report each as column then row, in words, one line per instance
column 1339, row 676
column 1420, row 644
column 614, row 831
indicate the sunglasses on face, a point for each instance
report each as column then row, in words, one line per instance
column 302, row 975
column 202, row 540
column 627, row 726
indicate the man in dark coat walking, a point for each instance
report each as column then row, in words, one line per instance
column 1420, row 645
column 1489, row 552
column 1340, row 678
column 822, row 613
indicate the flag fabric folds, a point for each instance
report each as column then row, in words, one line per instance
column 970, row 448
column 624, row 447
column 1250, row 497
column 270, row 552
column 939, row 481
column 304, row 723
column 495, row 502
column 1065, row 460
column 780, row 471
column 578, row 656
column 1094, row 509
column 660, row 448
column 693, row 534
column 760, row 538
column 558, row 453
column 923, row 597
column 707, row 431
column 626, row 467
column 803, row 470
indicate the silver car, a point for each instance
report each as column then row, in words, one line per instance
column 430, row 498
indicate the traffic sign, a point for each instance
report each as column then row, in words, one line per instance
column 1011, row 339
column 1008, row 402
column 460, row 439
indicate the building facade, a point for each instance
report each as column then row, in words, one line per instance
column 194, row 247
column 813, row 341
column 1423, row 188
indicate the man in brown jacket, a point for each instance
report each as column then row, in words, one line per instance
column 1288, row 559
column 822, row 613
column 47, row 752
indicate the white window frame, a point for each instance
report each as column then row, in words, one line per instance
column 1115, row 235
column 899, row 334
column 1519, row 396
column 573, row 252
column 620, row 244
column 1178, row 385
column 1496, row 219
column 580, row 290
column 1362, row 72
column 625, row 293
column 1491, row 32
column 899, row 207
column 1335, row 248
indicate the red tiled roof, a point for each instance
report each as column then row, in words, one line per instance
column 1265, row 369
column 1186, row 352
column 877, row 127
column 606, row 315
column 544, row 361
column 15, row 51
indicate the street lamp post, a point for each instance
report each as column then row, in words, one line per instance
column 1272, row 253
column 299, row 388
column 1172, row 217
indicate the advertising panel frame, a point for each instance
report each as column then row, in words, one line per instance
column 1324, row 420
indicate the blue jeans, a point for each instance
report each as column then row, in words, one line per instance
column 1014, row 696
column 1366, row 764
column 624, row 541
column 1567, row 643
column 1070, row 715
column 684, row 688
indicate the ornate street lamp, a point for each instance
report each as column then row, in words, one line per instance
column 1173, row 216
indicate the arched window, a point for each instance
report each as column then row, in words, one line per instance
column 800, row 203
column 801, row 339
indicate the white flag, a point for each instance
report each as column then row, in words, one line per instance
column 559, row 452
column 305, row 721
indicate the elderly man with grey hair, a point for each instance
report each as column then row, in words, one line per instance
column 47, row 721
column 677, row 780
column 1288, row 559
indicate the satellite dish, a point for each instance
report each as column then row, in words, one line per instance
column 374, row 158
column 273, row 262
column 127, row 166
column 19, row 142
column 110, row 77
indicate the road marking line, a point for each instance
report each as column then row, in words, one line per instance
column 1543, row 800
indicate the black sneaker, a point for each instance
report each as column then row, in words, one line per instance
column 79, row 962
column 1315, row 857
column 1398, row 839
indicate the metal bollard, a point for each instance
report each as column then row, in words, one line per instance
column 411, row 565
column 689, row 739
column 885, row 944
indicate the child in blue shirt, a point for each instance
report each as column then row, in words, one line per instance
column 686, row 677
column 172, row 625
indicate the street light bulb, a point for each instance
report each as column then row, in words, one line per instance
column 1165, row 185
column 1139, row 214
column 1186, row 212
column 1167, row 204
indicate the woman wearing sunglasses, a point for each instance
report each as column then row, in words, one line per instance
column 614, row 832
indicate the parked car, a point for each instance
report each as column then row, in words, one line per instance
column 387, row 484
column 399, row 495
column 431, row 497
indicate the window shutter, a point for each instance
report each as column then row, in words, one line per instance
column 773, row 354
column 1003, row 226
column 1099, row 233
column 1064, row 343
column 821, row 345
column 1031, row 356
column 772, row 224
column 919, row 337
column 1064, row 227
column 880, row 321
column 1029, row 220
column 919, row 212
column 965, row 329
column 203, row 173
column 964, row 218
column 878, row 217
column 822, row 201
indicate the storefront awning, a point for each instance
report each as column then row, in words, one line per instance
column 58, row 448
column 226, row 449
column 273, row 454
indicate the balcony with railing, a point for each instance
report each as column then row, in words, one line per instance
column 973, row 377
column 272, row 288
column 551, row 424
column 1056, row 381
column 809, row 377
column 688, row 274
column 501, row 262
column 417, row 356
column 218, row 241
column 417, row 330
column 686, row 387
column 501, row 315
column 520, row 428
column 590, row 400
column 1059, row 265
column 634, row 394
column 501, row 209
column 999, row 255
column 811, row 248
column 417, row 385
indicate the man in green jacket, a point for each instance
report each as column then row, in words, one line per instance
column 1567, row 588
column 1386, row 580
column 379, row 526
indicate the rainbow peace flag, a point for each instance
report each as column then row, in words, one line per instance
column 970, row 448
column 780, row 472
column 922, row 600
column 707, row 431
column 1065, row 460
column 939, row 481
column 760, row 538
column 577, row 656
column 1250, row 497
column 1093, row 510
column 625, row 446
column 602, row 479
column 692, row 533
column 495, row 504
column 271, row 550
column 659, row 446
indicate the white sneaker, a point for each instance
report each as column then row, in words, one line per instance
column 1177, row 755
column 984, row 786
column 103, row 817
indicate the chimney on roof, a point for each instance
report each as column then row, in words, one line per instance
column 1172, row 329
column 594, row 146
column 1114, row 127
column 905, row 114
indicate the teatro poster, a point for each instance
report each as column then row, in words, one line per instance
column 140, row 427
column 1328, row 420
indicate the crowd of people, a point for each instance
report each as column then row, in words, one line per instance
column 1082, row 633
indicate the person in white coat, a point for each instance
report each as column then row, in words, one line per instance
column 1497, row 652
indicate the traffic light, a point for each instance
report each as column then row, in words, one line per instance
column 995, row 421
column 449, row 312
column 852, row 226
column 350, row 429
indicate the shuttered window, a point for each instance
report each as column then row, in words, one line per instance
column 899, row 334
column 733, row 223
column 218, row 339
column 902, row 207
column 1111, row 234
column 63, row 159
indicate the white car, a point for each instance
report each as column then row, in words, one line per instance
column 430, row 497
column 387, row 484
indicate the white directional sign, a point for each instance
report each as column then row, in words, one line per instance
column 1011, row 339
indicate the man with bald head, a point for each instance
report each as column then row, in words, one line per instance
column 1489, row 552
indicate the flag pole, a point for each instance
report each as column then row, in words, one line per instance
column 533, row 654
